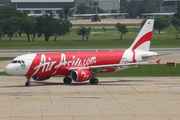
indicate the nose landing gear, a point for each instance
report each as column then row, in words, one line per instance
column 28, row 83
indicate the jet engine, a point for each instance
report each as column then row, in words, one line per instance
column 40, row 78
column 80, row 75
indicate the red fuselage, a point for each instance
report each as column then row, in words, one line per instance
column 48, row 64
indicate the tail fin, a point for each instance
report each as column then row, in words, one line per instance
column 143, row 39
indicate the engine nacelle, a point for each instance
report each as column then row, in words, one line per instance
column 80, row 75
column 40, row 78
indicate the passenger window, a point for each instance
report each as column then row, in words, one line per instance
column 19, row 61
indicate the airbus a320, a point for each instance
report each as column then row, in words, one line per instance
column 83, row 66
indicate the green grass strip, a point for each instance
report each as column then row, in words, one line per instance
column 6, row 58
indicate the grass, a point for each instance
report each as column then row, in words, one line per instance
column 6, row 58
column 97, row 40
column 145, row 71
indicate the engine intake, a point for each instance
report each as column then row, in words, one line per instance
column 80, row 75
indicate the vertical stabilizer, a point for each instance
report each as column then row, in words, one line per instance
column 143, row 40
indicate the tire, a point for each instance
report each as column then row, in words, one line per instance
column 27, row 84
column 94, row 81
column 67, row 80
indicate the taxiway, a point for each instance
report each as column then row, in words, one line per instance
column 117, row 98
column 130, row 98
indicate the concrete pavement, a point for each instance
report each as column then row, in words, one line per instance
column 130, row 98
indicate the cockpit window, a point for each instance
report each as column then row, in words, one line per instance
column 18, row 61
column 14, row 61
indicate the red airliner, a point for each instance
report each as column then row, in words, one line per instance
column 83, row 66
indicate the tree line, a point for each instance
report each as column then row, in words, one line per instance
column 161, row 22
column 136, row 7
column 14, row 22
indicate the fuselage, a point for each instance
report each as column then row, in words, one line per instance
column 58, row 63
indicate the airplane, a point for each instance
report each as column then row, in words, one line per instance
column 83, row 66
column 100, row 14
column 96, row 17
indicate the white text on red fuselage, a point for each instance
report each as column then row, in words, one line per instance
column 47, row 64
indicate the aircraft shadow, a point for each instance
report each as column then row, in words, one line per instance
column 110, row 83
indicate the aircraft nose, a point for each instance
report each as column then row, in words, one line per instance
column 8, row 69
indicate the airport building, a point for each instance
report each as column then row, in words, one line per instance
column 41, row 6
column 106, row 5
column 53, row 6
column 168, row 6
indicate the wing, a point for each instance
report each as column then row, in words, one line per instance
column 105, row 66
column 100, row 14
column 83, row 15
column 108, row 14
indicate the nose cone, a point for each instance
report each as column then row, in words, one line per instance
column 9, row 69
column 16, row 69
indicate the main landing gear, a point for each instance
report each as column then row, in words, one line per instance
column 28, row 83
column 94, row 81
column 67, row 80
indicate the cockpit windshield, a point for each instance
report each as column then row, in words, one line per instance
column 14, row 61
column 18, row 61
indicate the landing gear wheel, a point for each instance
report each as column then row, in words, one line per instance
column 94, row 81
column 28, row 84
column 67, row 80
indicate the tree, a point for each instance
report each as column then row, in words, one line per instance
column 123, row 6
column 137, row 7
column 7, row 12
column 143, row 22
column 34, row 30
column 10, row 20
column 27, row 25
column 84, row 32
column 84, row 9
column 4, row 1
column 99, row 10
column 161, row 23
column 114, row 11
column 65, row 12
column 9, row 26
column 45, row 25
column 175, row 20
column 1, row 33
column 176, row 23
column 122, row 29
column 87, row 9
column 62, row 27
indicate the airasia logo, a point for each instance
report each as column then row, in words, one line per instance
column 47, row 64
column 85, row 76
